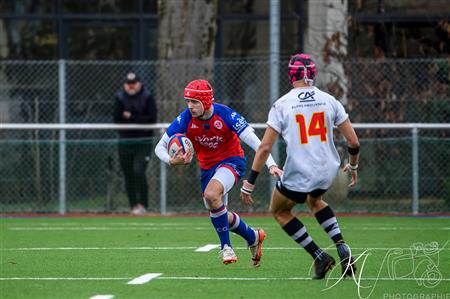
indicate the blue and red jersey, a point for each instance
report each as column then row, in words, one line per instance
column 214, row 139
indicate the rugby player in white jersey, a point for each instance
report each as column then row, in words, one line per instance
column 305, row 118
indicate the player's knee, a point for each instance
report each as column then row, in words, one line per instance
column 212, row 198
column 279, row 214
column 211, row 195
column 315, row 204
column 274, row 210
column 275, row 214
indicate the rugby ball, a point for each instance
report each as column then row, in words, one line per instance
column 178, row 141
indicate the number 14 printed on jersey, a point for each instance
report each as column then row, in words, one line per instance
column 316, row 127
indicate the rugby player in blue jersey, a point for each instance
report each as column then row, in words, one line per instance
column 215, row 131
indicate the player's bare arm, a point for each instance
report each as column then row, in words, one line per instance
column 265, row 148
column 249, row 137
column 263, row 152
column 353, row 149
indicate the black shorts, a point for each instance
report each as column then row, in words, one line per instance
column 298, row 197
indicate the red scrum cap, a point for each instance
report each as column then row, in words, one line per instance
column 200, row 90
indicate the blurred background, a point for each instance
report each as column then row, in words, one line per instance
column 62, row 61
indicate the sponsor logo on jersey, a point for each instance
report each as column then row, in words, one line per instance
column 239, row 124
column 218, row 124
column 233, row 115
column 306, row 96
column 193, row 126
column 210, row 142
column 179, row 119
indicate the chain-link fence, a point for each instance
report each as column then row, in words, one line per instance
column 374, row 91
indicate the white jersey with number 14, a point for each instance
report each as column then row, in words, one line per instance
column 305, row 117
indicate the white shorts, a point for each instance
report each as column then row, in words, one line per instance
column 227, row 178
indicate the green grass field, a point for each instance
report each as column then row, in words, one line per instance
column 89, row 257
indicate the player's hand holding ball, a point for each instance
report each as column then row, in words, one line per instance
column 181, row 158
column 180, row 149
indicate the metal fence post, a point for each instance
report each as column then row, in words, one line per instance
column 163, row 183
column 415, row 170
column 62, row 136
column 274, row 67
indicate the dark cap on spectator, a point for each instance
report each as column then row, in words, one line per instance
column 131, row 78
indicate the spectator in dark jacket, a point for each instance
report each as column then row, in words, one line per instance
column 134, row 104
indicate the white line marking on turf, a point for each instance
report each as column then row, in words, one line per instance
column 144, row 278
column 168, row 224
column 186, row 248
column 96, row 248
column 207, row 247
column 94, row 228
column 221, row 278
column 64, row 278
column 102, row 297
column 299, row 278
column 162, row 227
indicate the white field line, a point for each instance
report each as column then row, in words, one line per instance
column 144, row 278
column 102, row 297
column 299, row 278
column 140, row 224
column 217, row 278
column 64, row 278
column 96, row 248
column 187, row 248
column 159, row 228
column 207, row 248
column 103, row 228
column 168, row 224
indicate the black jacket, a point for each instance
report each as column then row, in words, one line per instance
column 142, row 107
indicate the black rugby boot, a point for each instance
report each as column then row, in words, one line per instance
column 322, row 265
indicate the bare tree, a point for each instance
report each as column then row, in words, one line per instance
column 327, row 40
column 186, row 43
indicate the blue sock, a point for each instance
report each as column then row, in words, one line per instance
column 241, row 228
column 219, row 218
